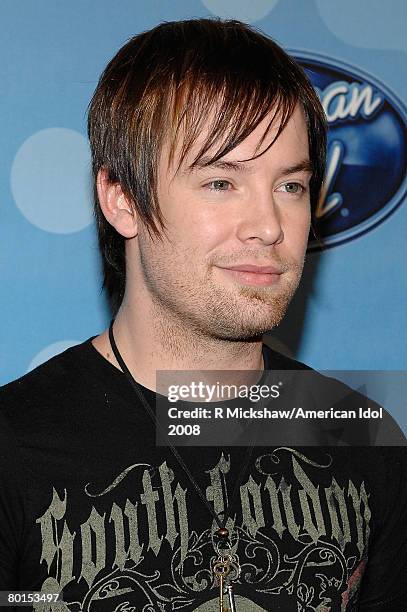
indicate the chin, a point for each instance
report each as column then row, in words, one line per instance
column 245, row 331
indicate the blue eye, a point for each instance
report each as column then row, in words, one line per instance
column 293, row 188
column 219, row 185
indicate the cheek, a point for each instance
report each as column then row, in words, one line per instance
column 296, row 230
column 199, row 230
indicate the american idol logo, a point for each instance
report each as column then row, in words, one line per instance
column 365, row 180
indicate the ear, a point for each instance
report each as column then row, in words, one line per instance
column 118, row 211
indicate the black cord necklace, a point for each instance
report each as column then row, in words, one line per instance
column 226, row 568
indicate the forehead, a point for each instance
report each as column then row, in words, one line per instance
column 292, row 142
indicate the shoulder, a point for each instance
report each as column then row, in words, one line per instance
column 31, row 397
column 48, row 375
column 350, row 417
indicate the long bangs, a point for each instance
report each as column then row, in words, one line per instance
column 228, row 115
column 234, row 84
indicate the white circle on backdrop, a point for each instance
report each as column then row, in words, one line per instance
column 50, row 180
column 370, row 24
column 50, row 351
column 245, row 10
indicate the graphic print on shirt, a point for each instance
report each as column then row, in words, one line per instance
column 302, row 545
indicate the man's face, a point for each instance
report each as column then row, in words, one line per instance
column 253, row 215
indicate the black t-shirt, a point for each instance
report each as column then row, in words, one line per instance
column 92, row 507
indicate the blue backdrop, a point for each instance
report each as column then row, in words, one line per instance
column 351, row 310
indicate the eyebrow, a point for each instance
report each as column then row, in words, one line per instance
column 204, row 163
column 303, row 166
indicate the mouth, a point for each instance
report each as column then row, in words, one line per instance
column 248, row 274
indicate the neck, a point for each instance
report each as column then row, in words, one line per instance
column 151, row 339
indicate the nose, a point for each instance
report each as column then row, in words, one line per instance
column 260, row 220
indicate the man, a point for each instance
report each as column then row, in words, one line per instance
column 208, row 147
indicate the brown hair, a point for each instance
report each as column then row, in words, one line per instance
column 170, row 78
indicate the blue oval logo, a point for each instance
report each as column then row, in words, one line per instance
column 365, row 179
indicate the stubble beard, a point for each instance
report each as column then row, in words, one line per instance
column 250, row 311
column 209, row 311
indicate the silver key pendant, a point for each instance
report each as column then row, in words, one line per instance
column 226, row 569
column 221, row 570
column 231, row 598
